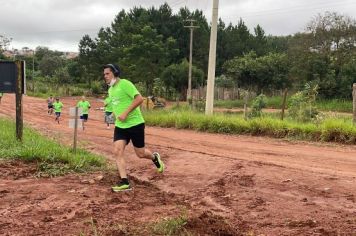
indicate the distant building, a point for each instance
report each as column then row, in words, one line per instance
column 70, row 55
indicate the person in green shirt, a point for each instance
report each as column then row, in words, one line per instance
column 129, row 124
column 1, row 94
column 85, row 106
column 57, row 106
column 108, row 112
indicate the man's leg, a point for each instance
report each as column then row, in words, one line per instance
column 123, row 184
column 138, row 140
column 119, row 148
column 154, row 157
column 143, row 153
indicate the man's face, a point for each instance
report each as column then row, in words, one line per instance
column 108, row 75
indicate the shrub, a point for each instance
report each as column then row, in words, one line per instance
column 302, row 104
column 258, row 103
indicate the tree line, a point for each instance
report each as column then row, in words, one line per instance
column 152, row 46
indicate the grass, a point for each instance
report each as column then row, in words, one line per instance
column 44, row 90
column 53, row 159
column 336, row 105
column 274, row 102
column 171, row 226
column 329, row 129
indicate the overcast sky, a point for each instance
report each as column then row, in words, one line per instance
column 60, row 24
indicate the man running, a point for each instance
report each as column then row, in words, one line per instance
column 108, row 111
column 85, row 106
column 57, row 106
column 129, row 124
column 50, row 101
column 1, row 94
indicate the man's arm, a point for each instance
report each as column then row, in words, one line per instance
column 135, row 103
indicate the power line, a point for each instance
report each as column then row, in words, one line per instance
column 293, row 9
column 246, row 14
column 177, row 3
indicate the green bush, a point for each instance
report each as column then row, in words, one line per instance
column 258, row 103
column 97, row 87
column 302, row 104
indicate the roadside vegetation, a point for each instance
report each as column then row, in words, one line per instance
column 329, row 129
column 275, row 102
column 52, row 159
column 303, row 120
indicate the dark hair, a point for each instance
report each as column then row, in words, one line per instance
column 114, row 68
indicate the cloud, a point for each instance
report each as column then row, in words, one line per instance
column 60, row 24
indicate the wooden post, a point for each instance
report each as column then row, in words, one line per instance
column 354, row 101
column 245, row 104
column 19, row 110
column 75, row 130
column 284, row 103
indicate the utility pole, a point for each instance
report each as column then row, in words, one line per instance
column 33, row 71
column 189, row 92
column 209, row 105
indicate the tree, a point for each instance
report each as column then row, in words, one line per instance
column 268, row 72
column 49, row 64
column 4, row 42
column 175, row 77
column 260, row 41
column 146, row 56
column 321, row 52
column 88, row 58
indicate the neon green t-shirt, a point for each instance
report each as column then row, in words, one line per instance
column 1, row 94
column 57, row 106
column 85, row 105
column 108, row 104
column 122, row 95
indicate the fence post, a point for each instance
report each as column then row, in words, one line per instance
column 245, row 103
column 354, row 102
column 284, row 103
column 75, row 130
column 19, row 108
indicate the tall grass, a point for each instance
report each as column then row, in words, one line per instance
column 336, row 129
column 44, row 90
column 275, row 102
column 51, row 156
column 335, row 105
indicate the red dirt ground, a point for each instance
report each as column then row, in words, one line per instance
column 227, row 185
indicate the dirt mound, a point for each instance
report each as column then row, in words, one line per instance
column 12, row 169
column 210, row 224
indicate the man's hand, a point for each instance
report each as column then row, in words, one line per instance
column 123, row 116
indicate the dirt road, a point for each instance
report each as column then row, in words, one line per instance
column 227, row 185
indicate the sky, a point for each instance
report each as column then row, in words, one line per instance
column 60, row 24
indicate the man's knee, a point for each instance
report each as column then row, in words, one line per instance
column 118, row 149
column 141, row 153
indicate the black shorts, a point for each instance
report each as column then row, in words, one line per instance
column 84, row 117
column 135, row 133
column 58, row 114
column 50, row 106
